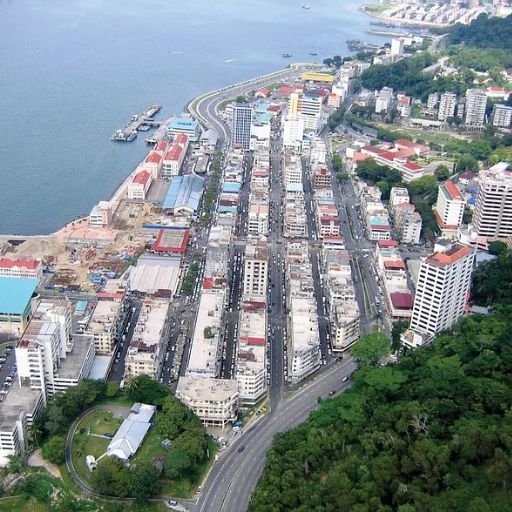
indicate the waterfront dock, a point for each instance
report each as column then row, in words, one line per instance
column 138, row 122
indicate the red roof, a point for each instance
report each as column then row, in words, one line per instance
column 412, row 166
column 174, row 153
column 387, row 243
column 285, row 90
column 394, row 264
column 274, row 108
column 264, row 91
column 153, row 158
column 401, row 300
column 162, row 245
column 456, row 252
column 252, row 340
column 387, row 155
column 110, row 296
column 373, row 149
column 162, row 146
column 142, row 177
column 380, row 227
column 22, row 263
column 453, row 190
column 208, row 283
column 181, row 138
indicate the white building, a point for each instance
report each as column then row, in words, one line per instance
column 21, row 268
column 214, row 401
column 346, row 329
column 398, row 196
column 139, row 186
column 397, row 46
column 447, row 106
column 502, row 116
column 476, row 103
column 255, row 272
column 257, row 222
column 309, row 108
column 384, row 100
column 105, row 322
column 493, row 210
column 304, row 339
column 146, row 350
column 101, row 215
column 251, row 361
column 441, row 290
column 49, row 358
column 449, row 209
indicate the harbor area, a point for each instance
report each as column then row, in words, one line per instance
column 138, row 122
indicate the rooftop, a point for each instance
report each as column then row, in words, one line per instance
column 142, row 177
column 185, row 191
column 149, row 328
column 452, row 191
column 15, row 294
column 206, row 389
column 18, row 401
column 21, row 263
column 452, row 255
column 71, row 367
column 171, row 240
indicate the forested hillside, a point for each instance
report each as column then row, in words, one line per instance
column 430, row 434
column 484, row 32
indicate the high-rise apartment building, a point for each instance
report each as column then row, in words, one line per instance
column 255, row 272
column 476, row 102
column 441, row 291
column 293, row 132
column 493, row 210
column 447, row 106
column 449, row 209
column 241, row 126
column 502, row 116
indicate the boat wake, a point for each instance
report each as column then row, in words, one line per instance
column 229, row 60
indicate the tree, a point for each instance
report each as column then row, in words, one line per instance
column 371, row 348
column 207, row 332
column 177, row 464
column 466, row 163
column 192, row 443
column 54, row 450
column 111, row 478
column 112, row 389
column 328, row 62
column 241, row 99
column 15, row 464
column 442, row 173
column 496, row 248
column 144, row 482
column 337, row 163
column 342, row 177
column 144, row 389
column 422, row 186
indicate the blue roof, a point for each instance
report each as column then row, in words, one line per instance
column 231, row 186
column 183, row 123
column 15, row 294
column 184, row 191
column 227, row 209
column 264, row 118
column 294, row 187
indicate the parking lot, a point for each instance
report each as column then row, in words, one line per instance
column 7, row 369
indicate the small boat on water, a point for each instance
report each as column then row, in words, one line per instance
column 286, row 55
column 313, row 53
column 306, row 7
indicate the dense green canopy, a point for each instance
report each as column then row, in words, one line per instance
column 432, row 433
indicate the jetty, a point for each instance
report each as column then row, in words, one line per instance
column 138, row 122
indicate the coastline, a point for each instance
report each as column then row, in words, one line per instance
column 399, row 23
column 69, row 227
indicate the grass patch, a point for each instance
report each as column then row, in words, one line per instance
column 97, row 423
column 151, row 448
column 22, row 504
column 274, row 86
column 376, row 8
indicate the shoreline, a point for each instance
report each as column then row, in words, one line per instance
column 120, row 189
column 399, row 23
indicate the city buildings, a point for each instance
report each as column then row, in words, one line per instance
column 16, row 303
column 145, row 353
column 493, row 210
column 21, row 268
column 241, row 126
column 255, row 272
column 105, row 322
column 441, row 291
column 308, row 107
column 101, row 215
column 384, row 101
column 476, row 103
column 502, row 116
column 449, row 209
column 214, row 401
column 49, row 358
column 447, row 105
column 345, row 328
column 139, row 186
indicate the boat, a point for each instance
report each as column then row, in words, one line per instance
column 286, row 55
column 313, row 53
column 306, row 7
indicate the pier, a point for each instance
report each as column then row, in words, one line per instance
column 138, row 122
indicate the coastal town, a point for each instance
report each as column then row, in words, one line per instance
column 270, row 227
